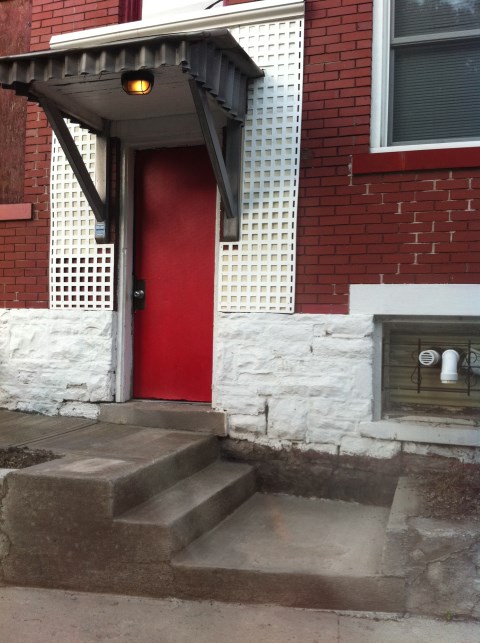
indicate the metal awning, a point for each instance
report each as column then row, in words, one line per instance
column 84, row 84
column 81, row 81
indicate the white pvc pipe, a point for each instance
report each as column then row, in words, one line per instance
column 449, row 372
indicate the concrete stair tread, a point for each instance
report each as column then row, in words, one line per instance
column 174, row 503
column 293, row 551
column 281, row 533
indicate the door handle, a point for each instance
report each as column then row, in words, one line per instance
column 139, row 294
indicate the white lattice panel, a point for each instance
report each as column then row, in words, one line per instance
column 81, row 272
column 258, row 272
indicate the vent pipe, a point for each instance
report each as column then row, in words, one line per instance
column 449, row 373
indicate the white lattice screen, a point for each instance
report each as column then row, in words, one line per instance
column 81, row 272
column 258, row 272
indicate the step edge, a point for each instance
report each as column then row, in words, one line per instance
column 186, row 566
column 209, row 450
column 236, row 478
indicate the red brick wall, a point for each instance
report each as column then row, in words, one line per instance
column 25, row 250
column 417, row 226
column 14, row 39
column 62, row 16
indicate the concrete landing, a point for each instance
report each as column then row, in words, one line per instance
column 20, row 429
column 120, row 441
column 294, row 551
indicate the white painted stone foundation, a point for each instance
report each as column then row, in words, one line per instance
column 284, row 380
column 307, row 380
column 57, row 361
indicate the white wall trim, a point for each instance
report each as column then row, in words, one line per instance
column 123, row 383
column 415, row 299
column 380, row 65
column 223, row 17
column 420, row 146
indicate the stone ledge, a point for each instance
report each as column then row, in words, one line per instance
column 464, row 434
column 437, row 557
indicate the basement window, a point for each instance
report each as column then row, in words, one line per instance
column 430, row 368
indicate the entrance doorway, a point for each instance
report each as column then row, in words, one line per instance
column 175, row 213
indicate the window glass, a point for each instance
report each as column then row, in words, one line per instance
column 436, row 92
column 416, row 17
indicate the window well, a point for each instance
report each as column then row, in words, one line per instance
column 430, row 368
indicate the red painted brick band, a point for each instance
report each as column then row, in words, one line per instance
column 15, row 211
column 416, row 160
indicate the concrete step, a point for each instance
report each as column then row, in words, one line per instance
column 108, row 469
column 295, row 552
column 171, row 520
column 114, row 513
column 177, row 416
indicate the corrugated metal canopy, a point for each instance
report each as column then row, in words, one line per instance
column 85, row 83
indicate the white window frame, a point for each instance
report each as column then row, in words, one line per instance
column 380, row 88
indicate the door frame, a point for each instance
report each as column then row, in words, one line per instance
column 125, row 317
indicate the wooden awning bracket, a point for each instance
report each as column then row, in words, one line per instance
column 226, row 170
column 69, row 147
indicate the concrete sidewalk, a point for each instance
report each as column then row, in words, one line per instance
column 55, row 616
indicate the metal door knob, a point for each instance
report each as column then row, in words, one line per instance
column 139, row 294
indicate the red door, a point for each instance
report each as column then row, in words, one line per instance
column 175, row 203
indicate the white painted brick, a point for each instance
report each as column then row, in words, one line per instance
column 346, row 326
column 237, row 404
column 351, row 326
column 465, row 454
column 79, row 409
column 287, row 418
column 49, row 357
column 369, row 447
column 342, row 349
column 239, row 425
column 314, row 370
column 322, row 447
column 320, row 429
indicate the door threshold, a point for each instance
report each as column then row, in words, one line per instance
column 161, row 414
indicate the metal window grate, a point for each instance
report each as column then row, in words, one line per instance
column 81, row 272
column 257, row 273
column 409, row 387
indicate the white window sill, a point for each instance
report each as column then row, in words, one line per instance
column 452, row 432
column 424, row 146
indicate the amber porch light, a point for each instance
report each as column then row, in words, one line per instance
column 137, row 83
